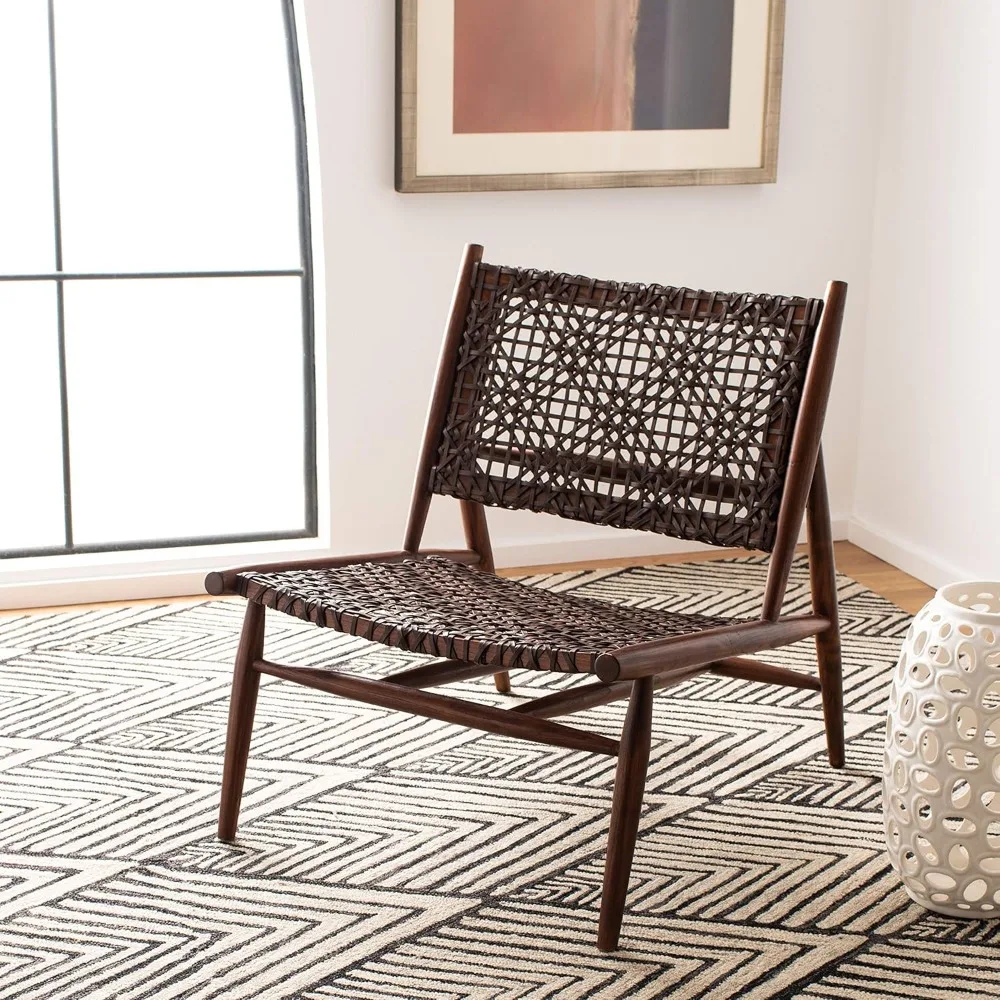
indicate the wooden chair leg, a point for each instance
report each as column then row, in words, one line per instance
column 832, row 679
column 477, row 537
column 242, row 702
column 823, row 582
column 630, row 780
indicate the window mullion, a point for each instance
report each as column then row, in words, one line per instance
column 60, row 304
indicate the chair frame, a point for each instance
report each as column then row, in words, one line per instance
column 634, row 672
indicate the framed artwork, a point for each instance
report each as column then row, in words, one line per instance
column 495, row 95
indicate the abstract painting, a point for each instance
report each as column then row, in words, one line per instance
column 514, row 94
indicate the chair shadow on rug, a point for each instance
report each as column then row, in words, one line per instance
column 692, row 414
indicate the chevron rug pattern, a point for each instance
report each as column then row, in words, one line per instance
column 383, row 856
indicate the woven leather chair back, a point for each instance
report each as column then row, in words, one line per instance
column 637, row 406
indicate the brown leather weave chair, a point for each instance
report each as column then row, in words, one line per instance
column 692, row 414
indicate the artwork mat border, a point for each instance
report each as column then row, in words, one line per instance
column 443, row 151
column 408, row 181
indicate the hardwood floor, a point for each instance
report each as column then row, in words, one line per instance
column 905, row 591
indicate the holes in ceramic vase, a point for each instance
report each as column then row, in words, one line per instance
column 932, row 654
column 926, row 782
column 920, row 673
column 893, row 698
column 892, row 831
column 993, row 659
column 902, row 810
column 905, row 744
column 945, row 630
column 940, row 897
column 967, row 723
column 991, row 697
column 924, row 812
column 989, row 637
column 993, row 835
column 920, row 642
column 899, row 776
column 990, row 865
column 953, row 686
column 974, row 891
column 991, row 732
column 961, row 794
column 960, row 826
column 932, row 710
column 996, row 768
column 909, row 862
column 907, row 706
column 965, row 655
column 979, row 596
column 958, row 858
column 939, row 880
column 930, row 746
column 966, row 630
column 901, row 667
column 926, row 848
column 886, row 766
column 996, row 896
column 962, row 759
column 985, row 601
column 991, row 801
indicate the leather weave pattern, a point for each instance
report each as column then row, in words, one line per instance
column 638, row 406
column 433, row 605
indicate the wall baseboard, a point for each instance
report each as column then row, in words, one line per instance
column 98, row 590
column 903, row 554
column 54, row 581
column 586, row 548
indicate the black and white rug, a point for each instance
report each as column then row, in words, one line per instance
column 386, row 856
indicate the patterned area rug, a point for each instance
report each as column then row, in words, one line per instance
column 386, row 856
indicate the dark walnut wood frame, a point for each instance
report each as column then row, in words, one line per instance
column 634, row 671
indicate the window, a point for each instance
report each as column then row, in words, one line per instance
column 156, row 321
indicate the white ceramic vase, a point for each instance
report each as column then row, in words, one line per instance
column 941, row 786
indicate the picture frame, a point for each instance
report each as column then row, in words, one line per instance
column 488, row 99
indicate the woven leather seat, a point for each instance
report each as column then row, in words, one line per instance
column 437, row 606
column 692, row 414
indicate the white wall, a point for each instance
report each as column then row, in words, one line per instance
column 928, row 494
column 391, row 259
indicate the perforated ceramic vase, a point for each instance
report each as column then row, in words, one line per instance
column 941, row 793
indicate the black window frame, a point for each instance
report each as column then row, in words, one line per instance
column 304, row 272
